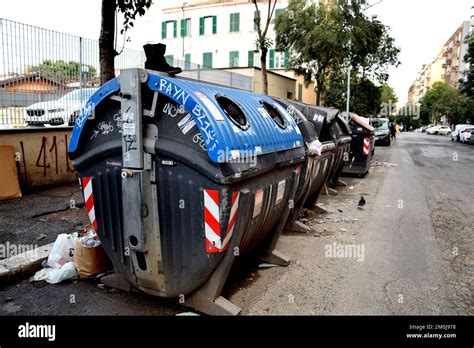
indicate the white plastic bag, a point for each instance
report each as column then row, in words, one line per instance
column 62, row 251
column 56, row 275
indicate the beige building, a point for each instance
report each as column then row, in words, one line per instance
column 448, row 66
column 278, row 85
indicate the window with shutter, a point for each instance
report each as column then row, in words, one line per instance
column 278, row 12
column 214, row 24
column 187, row 61
column 169, row 59
column 207, row 59
column 234, row 22
column 233, row 59
column 201, row 26
column 163, row 30
column 272, row 59
column 183, row 28
column 251, row 56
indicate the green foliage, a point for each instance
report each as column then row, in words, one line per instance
column 325, row 38
column 467, row 83
column 365, row 95
column 387, row 94
column 60, row 69
column 130, row 9
column 445, row 100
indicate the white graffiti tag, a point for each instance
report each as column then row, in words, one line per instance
column 102, row 129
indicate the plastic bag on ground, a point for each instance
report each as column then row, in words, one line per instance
column 62, row 251
column 56, row 275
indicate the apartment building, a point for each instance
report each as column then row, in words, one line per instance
column 448, row 66
column 219, row 34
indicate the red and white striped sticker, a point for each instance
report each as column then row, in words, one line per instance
column 214, row 241
column 88, row 197
column 366, row 146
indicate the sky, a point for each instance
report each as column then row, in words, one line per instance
column 420, row 27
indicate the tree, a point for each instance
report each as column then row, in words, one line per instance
column 314, row 37
column 365, row 98
column 467, row 82
column 445, row 100
column 325, row 38
column 387, row 94
column 107, row 51
column 263, row 43
column 61, row 70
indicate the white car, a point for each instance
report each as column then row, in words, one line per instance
column 62, row 111
column 443, row 130
column 457, row 131
column 432, row 130
column 465, row 134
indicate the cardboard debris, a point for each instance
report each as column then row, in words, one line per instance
column 9, row 185
column 89, row 261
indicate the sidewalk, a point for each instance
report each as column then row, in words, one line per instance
column 38, row 217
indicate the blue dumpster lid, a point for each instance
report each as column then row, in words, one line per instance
column 103, row 92
column 224, row 139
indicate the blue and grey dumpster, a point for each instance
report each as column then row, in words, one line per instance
column 181, row 177
column 362, row 145
column 321, row 169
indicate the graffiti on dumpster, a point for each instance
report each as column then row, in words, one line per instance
column 173, row 110
column 130, row 142
column 197, row 139
column 102, row 128
column 181, row 97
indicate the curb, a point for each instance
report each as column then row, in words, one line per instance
column 23, row 264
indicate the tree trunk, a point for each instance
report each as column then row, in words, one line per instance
column 319, row 88
column 107, row 51
column 263, row 64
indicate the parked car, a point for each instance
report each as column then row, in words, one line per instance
column 443, row 130
column 62, row 111
column 382, row 130
column 457, row 130
column 465, row 134
column 432, row 129
column 425, row 128
column 471, row 139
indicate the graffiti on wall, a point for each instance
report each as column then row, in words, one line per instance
column 44, row 159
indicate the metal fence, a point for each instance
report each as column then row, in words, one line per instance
column 46, row 76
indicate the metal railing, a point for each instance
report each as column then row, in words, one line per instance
column 47, row 76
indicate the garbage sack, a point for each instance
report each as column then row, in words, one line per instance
column 62, row 251
column 89, row 256
column 56, row 275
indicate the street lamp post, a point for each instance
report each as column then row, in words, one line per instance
column 183, row 22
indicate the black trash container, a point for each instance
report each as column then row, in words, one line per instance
column 180, row 177
column 341, row 133
column 321, row 119
column 362, row 145
column 310, row 179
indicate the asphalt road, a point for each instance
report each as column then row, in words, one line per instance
column 414, row 239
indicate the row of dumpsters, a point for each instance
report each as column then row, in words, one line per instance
column 182, row 179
